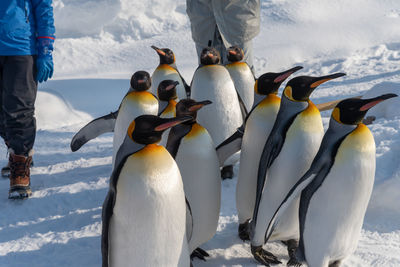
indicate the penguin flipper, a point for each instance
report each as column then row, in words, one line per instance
column 290, row 197
column 93, row 129
column 106, row 216
column 199, row 253
column 187, row 87
column 189, row 221
column 271, row 150
column 230, row 146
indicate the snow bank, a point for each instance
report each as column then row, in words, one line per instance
column 122, row 19
column 53, row 112
column 388, row 109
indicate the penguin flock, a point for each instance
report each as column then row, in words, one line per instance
column 173, row 142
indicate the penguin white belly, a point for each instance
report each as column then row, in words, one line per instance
column 336, row 210
column 198, row 164
column 166, row 72
column 243, row 80
column 132, row 106
column 223, row 116
column 147, row 227
column 303, row 139
column 258, row 128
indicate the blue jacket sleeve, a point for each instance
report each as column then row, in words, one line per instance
column 43, row 12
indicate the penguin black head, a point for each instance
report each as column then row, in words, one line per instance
column 210, row 56
column 301, row 87
column 352, row 110
column 167, row 90
column 269, row 82
column 148, row 129
column 235, row 53
column 189, row 107
column 140, row 81
column 166, row 55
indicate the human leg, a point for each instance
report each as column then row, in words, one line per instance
column 18, row 99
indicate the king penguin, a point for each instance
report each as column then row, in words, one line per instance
column 212, row 81
column 166, row 93
column 194, row 151
column 135, row 103
column 335, row 191
column 287, row 154
column 167, row 70
column 144, row 213
column 242, row 76
column 256, row 131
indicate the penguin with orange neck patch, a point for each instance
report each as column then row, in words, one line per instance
column 287, row 154
column 242, row 77
column 256, row 131
column 335, row 191
column 212, row 81
column 194, row 152
column 144, row 213
column 138, row 101
column 167, row 70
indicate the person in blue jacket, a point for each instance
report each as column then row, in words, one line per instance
column 27, row 35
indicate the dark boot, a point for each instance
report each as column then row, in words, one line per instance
column 227, row 172
column 244, row 231
column 19, row 176
column 5, row 171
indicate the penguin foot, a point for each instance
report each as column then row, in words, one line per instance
column 227, row 172
column 243, row 231
column 199, row 253
column 202, row 252
column 263, row 256
column 293, row 262
column 292, row 245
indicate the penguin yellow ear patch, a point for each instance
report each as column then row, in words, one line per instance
column 256, row 86
column 131, row 128
column 336, row 114
column 288, row 93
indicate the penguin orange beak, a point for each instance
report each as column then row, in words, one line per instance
column 326, row 78
column 199, row 105
column 210, row 55
column 172, row 122
column 141, row 81
column 158, row 50
column 172, row 86
column 232, row 52
column 284, row 75
column 374, row 101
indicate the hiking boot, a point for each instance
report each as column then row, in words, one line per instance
column 20, row 185
column 5, row 171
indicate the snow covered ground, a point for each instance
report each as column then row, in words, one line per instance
column 102, row 42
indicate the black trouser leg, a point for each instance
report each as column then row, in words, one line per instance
column 18, row 95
